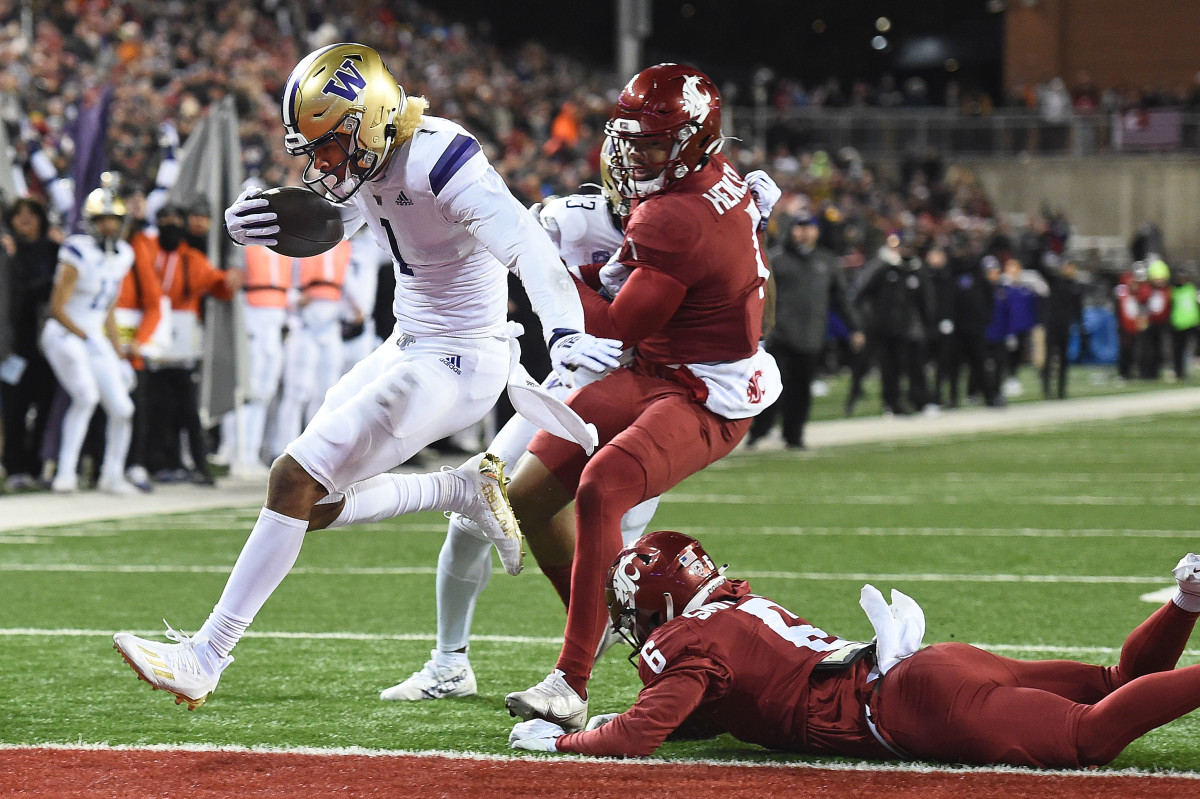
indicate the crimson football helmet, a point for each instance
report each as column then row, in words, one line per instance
column 656, row 578
column 666, row 124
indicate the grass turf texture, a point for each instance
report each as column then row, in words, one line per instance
column 1026, row 541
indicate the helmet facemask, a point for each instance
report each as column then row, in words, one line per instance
column 358, row 164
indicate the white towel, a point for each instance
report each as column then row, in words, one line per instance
column 899, row 627
column 542, row 408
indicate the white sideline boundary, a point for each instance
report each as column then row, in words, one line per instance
column 354, row 751
column 23, row 511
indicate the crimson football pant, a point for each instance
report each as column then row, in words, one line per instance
column 652, row 436
column 956, row 703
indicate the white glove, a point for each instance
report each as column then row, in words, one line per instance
column 94, row 345
column 535, row 735
column 596, row 722
column 612, row 277
column 246, row 227
column 765, row 193
column 573, row 350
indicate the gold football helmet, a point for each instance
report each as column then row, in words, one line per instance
column 103, row 202
column 619, row 205
column 342, row 89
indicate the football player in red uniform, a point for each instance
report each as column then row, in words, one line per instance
column 716, row 658
column 691, row 306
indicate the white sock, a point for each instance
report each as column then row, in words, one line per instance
column 386, row 496
column 464, row 567
column 266, row 558
column 1188, row 602
column 74, row 429
column 117, row 435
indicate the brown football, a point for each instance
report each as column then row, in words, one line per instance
column 308, row 224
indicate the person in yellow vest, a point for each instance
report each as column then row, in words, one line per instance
column 313, row 361
column 1185, row 318
column 265, row 295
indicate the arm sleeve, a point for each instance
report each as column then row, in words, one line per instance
column 647, row 300
column 515, row 238
column 661, row 707
column 352, row 219
column 209, row 279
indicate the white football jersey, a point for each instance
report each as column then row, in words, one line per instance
column 451, row 224
column 582, row 227
column 99, row 281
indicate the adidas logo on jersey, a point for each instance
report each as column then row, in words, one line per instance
column 454, row 363
column 402, row 199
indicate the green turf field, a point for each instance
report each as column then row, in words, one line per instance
column 1039, row 543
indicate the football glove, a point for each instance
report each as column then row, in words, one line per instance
column 246, row 226
column 765, row 193
column 535, row 735
column 612, row 278
column 571, row 350
column 596, row 722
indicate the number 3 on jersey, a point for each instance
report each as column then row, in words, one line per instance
column 387, row 228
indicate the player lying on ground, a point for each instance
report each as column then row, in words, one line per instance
column 716, row 658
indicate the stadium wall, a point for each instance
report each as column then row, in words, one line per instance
column 1103, row 195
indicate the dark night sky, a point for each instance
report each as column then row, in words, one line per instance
column 729, row 39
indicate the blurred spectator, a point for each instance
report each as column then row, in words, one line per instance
column 808, row 284
column 27, row 386
column 1063, row 310
column 268, row 283
column 1158, row 319
column 313, row 350
column 1023, row 336
column 1185, row 318
column 187, row 277
column 143, row 317
column 1131, row 295
column 900, row 298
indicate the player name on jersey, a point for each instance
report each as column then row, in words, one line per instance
column 728, row 191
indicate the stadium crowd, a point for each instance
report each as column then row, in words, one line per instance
column 940, row 283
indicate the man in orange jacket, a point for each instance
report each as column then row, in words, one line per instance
column 187, row 277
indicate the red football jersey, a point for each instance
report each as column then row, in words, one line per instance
column 704, row 300
column 718, row 669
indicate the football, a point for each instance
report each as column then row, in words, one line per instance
column 308, row 224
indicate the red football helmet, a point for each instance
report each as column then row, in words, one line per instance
column 666, row 123
column 659, row 576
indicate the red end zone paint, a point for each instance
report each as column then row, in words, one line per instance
column 133, row 774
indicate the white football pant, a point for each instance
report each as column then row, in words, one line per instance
column 91, row 375
column 397, row 401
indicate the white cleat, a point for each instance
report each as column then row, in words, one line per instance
column 118, row 486
column 489, row 508
column 434, row 682
column 65, row 484
column 174, row 667
column 551, row 699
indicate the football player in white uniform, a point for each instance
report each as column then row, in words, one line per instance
column 80, row 337
column 587, row 229
column 424, row 188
